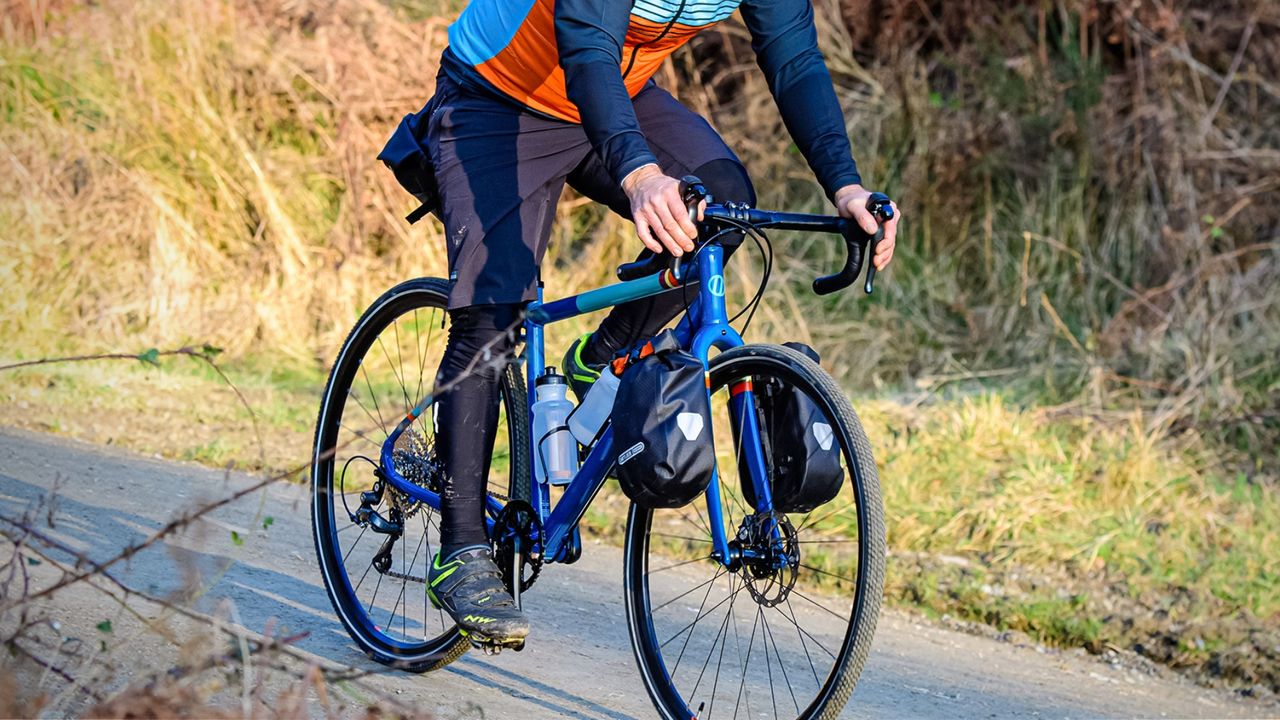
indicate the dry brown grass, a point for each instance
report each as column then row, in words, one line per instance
column 1089, row 185
column 206, row 170
column 1090, row 190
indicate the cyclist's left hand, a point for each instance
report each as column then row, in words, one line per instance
column 851, row 201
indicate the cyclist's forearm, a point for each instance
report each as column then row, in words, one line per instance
column 785, row 41
column 589, row 35
column 815, row 121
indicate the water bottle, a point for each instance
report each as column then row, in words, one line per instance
column 555, row 456
column 586, row 421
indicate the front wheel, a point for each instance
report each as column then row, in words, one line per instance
column 782, row 635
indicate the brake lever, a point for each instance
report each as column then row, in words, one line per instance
column 881, row 206
column 692, row 192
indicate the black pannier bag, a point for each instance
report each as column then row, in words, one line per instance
column 662, row 427
column 800, row 447
column 408, row 156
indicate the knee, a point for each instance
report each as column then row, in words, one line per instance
column 486, row 330
column 728, row 181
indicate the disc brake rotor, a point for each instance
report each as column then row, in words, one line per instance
column 771, row 570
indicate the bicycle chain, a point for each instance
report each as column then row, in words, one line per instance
column 404, row 576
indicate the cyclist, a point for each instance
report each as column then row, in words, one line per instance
column 536, row 93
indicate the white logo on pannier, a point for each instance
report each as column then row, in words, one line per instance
column 822, row 433
column 690, row 424
column 631, row 452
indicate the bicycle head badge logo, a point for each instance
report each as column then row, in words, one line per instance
column 716, row 285
column 823, row 434
column 690, row 425
column 631, row 452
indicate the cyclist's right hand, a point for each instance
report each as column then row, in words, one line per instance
column 661, row 218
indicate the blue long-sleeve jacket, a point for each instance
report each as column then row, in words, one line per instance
column 583, row 61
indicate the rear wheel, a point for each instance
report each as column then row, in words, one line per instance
column 375, row 579
column 785, row 634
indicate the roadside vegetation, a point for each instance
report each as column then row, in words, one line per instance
column 1069, row 376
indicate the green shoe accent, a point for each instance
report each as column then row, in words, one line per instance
column 445, row 570
column 581, row 374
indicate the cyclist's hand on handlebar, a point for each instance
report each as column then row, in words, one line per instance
column 851, row 201
column 661, row 218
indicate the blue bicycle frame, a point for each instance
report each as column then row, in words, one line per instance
column 704, row 326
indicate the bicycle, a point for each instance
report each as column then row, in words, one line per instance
column 732, row 546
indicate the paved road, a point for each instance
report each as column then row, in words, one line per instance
column 580, row 664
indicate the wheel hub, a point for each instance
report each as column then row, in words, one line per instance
column 769, row 557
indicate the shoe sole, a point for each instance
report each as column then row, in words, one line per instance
column 479, row 639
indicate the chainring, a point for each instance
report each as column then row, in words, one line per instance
column 517, row 520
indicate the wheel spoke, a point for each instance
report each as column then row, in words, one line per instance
column 792, row 619
column 820, row 571
column 676, row 565
column 782, row 665
column 743, row 685
column 680, row 537
column 833, row 613
column 711, row 651
column 361, row 435
column 403, row 391
column 768, row 664
column 374, row 397
column 400, row 363
column 373, row 601
column 720, row 660
column 352, row 394
column 697, row 616
column 353, row 543
column 693, row 589
column 702, row 522
column 829, row 515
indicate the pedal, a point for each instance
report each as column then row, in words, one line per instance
column 493, row 646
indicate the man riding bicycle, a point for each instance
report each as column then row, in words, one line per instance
column 536, row 93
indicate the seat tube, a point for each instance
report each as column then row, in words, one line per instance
column 535, row 362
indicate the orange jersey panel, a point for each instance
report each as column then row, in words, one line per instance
column 528, row 69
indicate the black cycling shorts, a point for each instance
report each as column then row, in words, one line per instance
column 501, row 169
